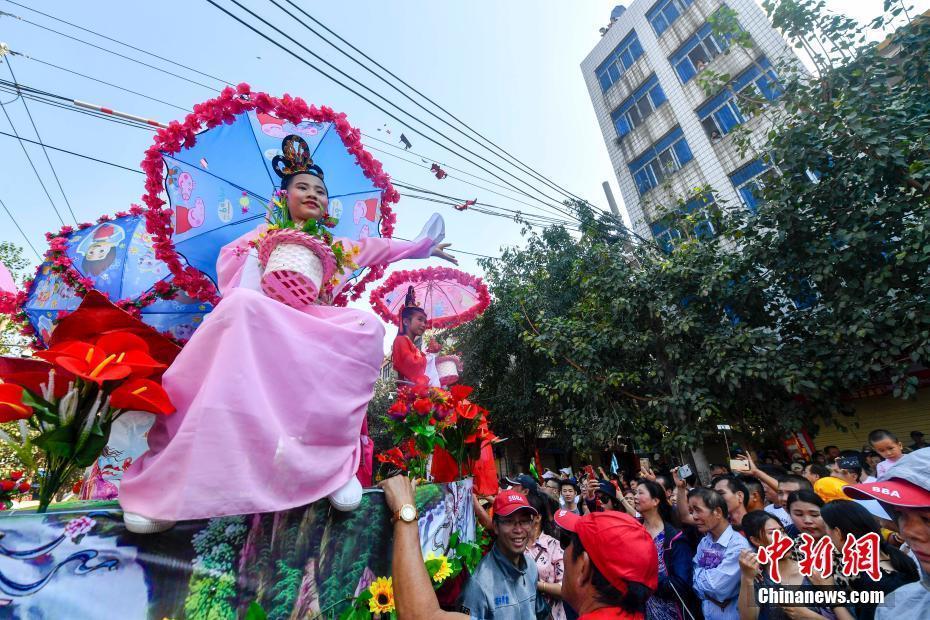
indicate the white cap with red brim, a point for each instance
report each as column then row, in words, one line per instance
column 905, row 485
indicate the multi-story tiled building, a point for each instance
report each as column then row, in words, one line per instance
column 665, row 135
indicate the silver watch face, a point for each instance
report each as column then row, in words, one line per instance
column 408, row 513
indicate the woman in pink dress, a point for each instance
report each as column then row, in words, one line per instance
column 270, row 400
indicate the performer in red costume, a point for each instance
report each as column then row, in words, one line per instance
column 409, row 361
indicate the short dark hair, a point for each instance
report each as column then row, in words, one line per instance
column 880, row 434
column 753, row 485
column 633, row 602
column 820, row 470
column 711, row 499
column 827, row 448
column 719, row 466
column 735, row 486
column 562, row 483
column 801, row 480
column 808, row 497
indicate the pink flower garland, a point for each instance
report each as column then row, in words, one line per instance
column 399, row 278
column 57, row 260
column 224, row 109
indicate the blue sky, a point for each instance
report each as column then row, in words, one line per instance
column 510, row 69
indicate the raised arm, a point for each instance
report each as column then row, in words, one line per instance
column 377, row 250
column 414, row 597
column 758, row 474
column 681, row 503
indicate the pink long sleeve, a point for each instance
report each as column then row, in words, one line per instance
column 376, row 250
column 232, row 259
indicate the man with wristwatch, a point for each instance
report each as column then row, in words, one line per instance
column 610, row 566
column 503, row 586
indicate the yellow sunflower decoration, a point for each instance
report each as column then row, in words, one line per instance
column 438, row 567
column 382, row 596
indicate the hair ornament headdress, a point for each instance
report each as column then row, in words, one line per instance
column 295, row 159
column 410, row 308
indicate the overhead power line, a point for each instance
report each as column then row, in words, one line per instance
column 616, row 220
column 127, row 168
column 274, row 41
column 16, row 135
column 311, row 65
column 9, row 65
column 20, row 229
column 67, row 103
column 492, row 148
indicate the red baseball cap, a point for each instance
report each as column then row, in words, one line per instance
column 618, row 544
column 508, row 502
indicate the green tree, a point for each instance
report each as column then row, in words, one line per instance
column 844, row 235
column 499, row 363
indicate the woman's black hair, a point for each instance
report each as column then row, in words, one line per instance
column 754, row 524
column 656, row 491
column 852, row 518
column 633, row 602
column 803, row 495
column 711, row 499
column 540, row 502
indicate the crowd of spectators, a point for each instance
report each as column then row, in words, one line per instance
column 662, row 547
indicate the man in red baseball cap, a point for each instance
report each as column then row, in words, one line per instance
column 504, row 583
column 904, row 492
column 610, row 564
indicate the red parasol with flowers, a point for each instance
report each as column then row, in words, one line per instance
column 448, row 296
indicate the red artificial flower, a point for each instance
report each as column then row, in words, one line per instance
column 86, row 361
column 461, row 392
column 16, row 475
column 32, row 380
column 23, row 487
column 467, row 410
column 398, row 410
column 393, row 456
column 131, row 350
column 11, row 403
column 142, row 395
column 423, row 406
column 7, row 485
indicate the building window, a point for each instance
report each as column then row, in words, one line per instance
column 664, row 13
column 632, row 112
column 619, row 61
column 725, row 111
column 670, row 230
column 749, row 182
column 695, row 53
column 661, row 159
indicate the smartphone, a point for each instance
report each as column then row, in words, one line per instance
column 643, row 463
column 684, row 472
column 590, row 471
column 739, row 465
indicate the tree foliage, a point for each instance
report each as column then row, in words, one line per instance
column 769, row 324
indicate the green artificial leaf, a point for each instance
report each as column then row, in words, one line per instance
column 58, row 442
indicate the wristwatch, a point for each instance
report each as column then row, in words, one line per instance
column 407, row 513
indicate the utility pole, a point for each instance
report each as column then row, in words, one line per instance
column 610, row 199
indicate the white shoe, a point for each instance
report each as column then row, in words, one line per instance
column 137, row 524
column 348, row 497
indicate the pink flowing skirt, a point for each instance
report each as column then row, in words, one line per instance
column 270, row 404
